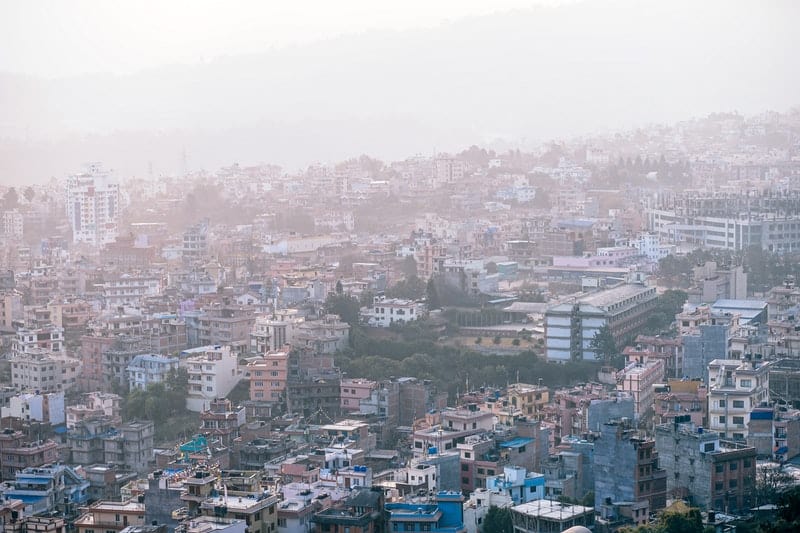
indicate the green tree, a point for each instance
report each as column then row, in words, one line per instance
column 409, row 266
column 432, row 295
column 29, row 194
column 339, row 288
column 498, row 520
column 345, row 306
column 411, row 288
column 11, row 198
column 604, row 346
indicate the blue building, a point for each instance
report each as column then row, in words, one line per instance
column 519, row 484
column 146, row 369
column 444, row 516
column 49, row 488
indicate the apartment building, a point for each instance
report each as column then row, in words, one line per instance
column 93, row 206
column 147, row 369
column 268, row 376
column 570, row 327
column 735, row 388
column 712, row 473
column 638, row 379
column 44, row 371
column 213, row 373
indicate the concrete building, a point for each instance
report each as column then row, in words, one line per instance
column 735, row 389
column 638, row 379
column 446, row 515
column 147, row 369
column 50, row 488
column 272, row 333
column 518, row 484
column 19, row 453
column 570, row 328
column 710, row 472
column 710, row 283
column 387, row 311
column 44, row 371
column 353, row 391
column 728, row 221
column 626, row 469
column 268, row 376
column 43, row 407
column 550, row 516
column 47, row 337
column 129, row 290
column 213, row 373
column 95, row 404
column 110, row 516
column 130, row 444
column 93, row 206
column 226, row 325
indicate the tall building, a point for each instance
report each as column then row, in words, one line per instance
column 735, row 389
column 711, row 473
column 93, row 205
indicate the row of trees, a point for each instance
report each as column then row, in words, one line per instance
column 764, row 269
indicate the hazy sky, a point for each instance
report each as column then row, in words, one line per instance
column 61, row 38
column 138, row 84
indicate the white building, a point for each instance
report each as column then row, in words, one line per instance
column 147, row 369
column 387, row 311
column 271, row 333
column 33, row 340
column 43, row 370
column 213, row 373
column 129, row 290
column 475, row 509
column 47, row 407
column 735, row 388
column 649, row 245
column 448, row 170
column 12, row 224
column 93, row 199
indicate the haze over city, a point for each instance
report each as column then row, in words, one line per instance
column 424, row 266
column 138, row 84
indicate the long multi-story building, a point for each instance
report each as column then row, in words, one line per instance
column 42, row 370
column 570, row 327
column 729, row 221
column 93, row 206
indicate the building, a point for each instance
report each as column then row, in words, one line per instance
column 131, row 444
column 110, row 516
column 49, row 488
column 550, row 516
column 627, row 470
column 710, row 283
column 387, row 311
column 570, row 328
column 268, row 377
column 353, row 391
column 44, row 371
column 146, row 369
column 93, row 206
column 94, row 405
column 47, row 408
column 47, row 337
column 258, row 510
column 711, row 473
column 362, row 512
column 272, row 333
column 638, row 379
column 213, row 373
column 222, row 421
column 730, row 221
column 518, row 484
column 129, row 290
column 735, row 388
column 17, row 453
column 446, row 515
column 228, row 325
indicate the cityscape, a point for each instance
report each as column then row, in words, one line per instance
column 596, row 332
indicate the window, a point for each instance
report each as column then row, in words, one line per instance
column 733, row 466
column 733, row 483
column 718, row 486
column 746, row 383
column 708, row 447
column 738, row 404
column 722, row 420
column 738, row 420
column 748, row 463
column 465, row 481
column 465, row 468
column 719, row 468
column 722, row 403
column 467, row 455
column 281, row 522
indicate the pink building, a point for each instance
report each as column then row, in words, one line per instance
column 638, row 380
column 268, row 376
column 355, row 390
